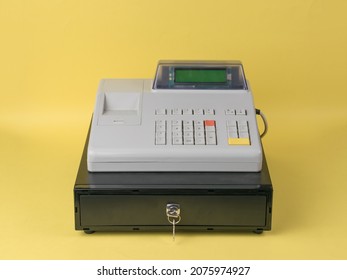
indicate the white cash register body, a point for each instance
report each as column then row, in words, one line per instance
column 194, row 116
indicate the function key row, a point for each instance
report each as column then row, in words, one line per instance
column 178, row 111
column 209, row 111
column 235, row 112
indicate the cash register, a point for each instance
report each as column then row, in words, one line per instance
column 179, row 152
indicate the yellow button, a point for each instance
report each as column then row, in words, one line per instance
column 238, row 141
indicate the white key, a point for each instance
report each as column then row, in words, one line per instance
column 187, row 123
column 196, row 123
column 198, row 111
column 187, row 111
column 200, row 141
column 231, row 123
column 188, row 134
column 160, row 140
column 211, row 138
column 176, row 128
column 176, row 122
column 177, row 111
column 160, row 134
column 199, row 134
column 232, row 129
column 159, row 128
column 188, row 141
column 243, row 128
column 199, row 128
column 242, row 122
column 230, row 112
column 241, row 112
column 177, row 141
column 160, row 122
column 233, row 134
column 160, row 111
column 244, row 135
column 209, row 111
column 177, row 134
column 210, row 128
column 188, row 128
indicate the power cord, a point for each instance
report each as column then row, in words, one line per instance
column 261, row 114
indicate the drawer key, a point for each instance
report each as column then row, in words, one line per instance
column 173, row 212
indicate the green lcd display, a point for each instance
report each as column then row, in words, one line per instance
column 193, row 75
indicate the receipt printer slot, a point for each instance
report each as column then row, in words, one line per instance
column 120, row 104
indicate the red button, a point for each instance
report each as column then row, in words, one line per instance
column 209, row 123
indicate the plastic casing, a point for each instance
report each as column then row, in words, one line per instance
column 123, row 127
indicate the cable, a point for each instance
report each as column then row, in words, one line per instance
column 261, row 114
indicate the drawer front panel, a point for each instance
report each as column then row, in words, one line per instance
column 150, row 210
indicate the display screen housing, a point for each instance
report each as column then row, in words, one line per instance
column 200, row 75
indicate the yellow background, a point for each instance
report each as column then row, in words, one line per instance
column 52, row 56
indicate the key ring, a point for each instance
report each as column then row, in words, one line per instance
column 174, row 220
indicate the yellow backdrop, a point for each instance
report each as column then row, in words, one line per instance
column 52, row 55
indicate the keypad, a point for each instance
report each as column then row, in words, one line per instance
column 193, row 132
column 160, row 132
column 238, row 132
column 178, row 131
